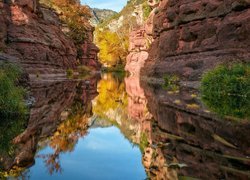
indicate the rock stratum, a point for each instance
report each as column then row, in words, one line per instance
column 32, row 35
column 191, row 36
column 187, row 38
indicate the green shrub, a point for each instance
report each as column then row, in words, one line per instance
column 11, row 96
column 171, row 82
column 226, row 90
column 13, row 110
column 83, row 71
column 143, row 142
column 69, row 72
column 146, row 10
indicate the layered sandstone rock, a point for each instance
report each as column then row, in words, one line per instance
column 89, row 53
column 137, row 47
column 33, row 34
column 193, row 36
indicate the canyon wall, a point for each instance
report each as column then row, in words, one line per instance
column 32, row 35
column 191, row 36
column 186, row 38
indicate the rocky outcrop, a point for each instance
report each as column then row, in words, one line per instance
column 137, row 56
column 193, row 36
column 186, row 38
column 34, row 35
column 89, row 53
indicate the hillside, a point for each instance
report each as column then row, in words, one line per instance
column 112, row 36
column 100, row 15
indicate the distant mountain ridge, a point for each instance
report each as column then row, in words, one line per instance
column 100, row 15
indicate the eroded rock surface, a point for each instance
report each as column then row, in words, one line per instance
column 193, row 36
column 34, row 34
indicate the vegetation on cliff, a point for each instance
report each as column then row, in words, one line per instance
column 11, row 95
column 226, row 90
column 12, row 108
column 113, row 47
column 75, row 15
column 112, row 36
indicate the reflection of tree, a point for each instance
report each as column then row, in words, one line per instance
column 65, row 139
column 111, row 96
column 52, row 162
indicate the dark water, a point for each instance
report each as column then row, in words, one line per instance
column 117, row 128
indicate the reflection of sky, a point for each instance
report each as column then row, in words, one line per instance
column 116, row 5
column 103, row 154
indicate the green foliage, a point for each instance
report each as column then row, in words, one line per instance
column 114, row 42
column 143, row 142
column 9, row 129
column 69, row 73
column 73, row 14
column 146, row 10
column 226, row 90
column 171, row 82
column 13, row 110
column 119, row 68
column 83, row 71
column 11, row 96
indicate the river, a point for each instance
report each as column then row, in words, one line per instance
column 113, row 127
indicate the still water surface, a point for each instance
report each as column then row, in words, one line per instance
column 103, row 154
column 114, row 127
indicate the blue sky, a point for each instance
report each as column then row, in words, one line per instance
column 115, row 5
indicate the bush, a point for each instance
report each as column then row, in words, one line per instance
column 226, row 90
column 146, row 10
column 83, row 70
column 11, row 96
column 69, row 72
column 171, row 82
column 13, row 110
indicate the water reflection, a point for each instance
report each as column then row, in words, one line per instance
column 117, row 129
column 192, row 142
column 55, row 101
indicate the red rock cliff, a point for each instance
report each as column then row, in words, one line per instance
column 32, row 33
column 191, row 36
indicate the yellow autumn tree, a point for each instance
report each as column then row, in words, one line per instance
column 113, row 47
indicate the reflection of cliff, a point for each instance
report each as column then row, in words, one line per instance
column 111, row 104
column 196, row 144
column 55, row 102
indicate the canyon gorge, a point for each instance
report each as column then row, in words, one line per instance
column 152, row 122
